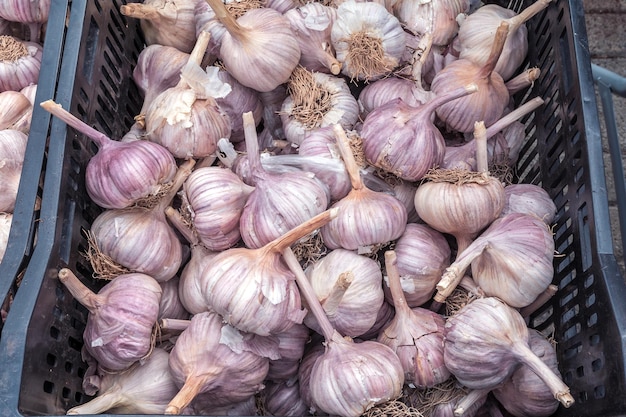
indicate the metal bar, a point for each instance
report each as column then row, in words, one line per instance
column 608, row 84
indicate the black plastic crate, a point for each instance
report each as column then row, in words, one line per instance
column 23, row 233
column 40, row 365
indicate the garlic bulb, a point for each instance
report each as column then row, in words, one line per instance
column 140, row 238
column 384, row 317
column 486, row 341
column 33, row 13
column 279, row 202
column 415, row 335
column 121, row 173
column 349, row 288
column 259, row 49
column 283, row 399
column 382, row 91
column 403, row 140
column 165, row 22
column 524, row 394
column 186, row 119
column 216, row 361
column 422, row 255
column 17, row 111
column 215, row 198
column 488, row 104
column 371, row 370
column 529, row 199
column 511, row 260
column 20, row 63
column 436, row 17
column 367, row 218
column 171, row 306
column 312, row 24
column 476, row 35
column 252, row 288
column 144, row 388
column 121, row 316
column 291, row 345
column 316, row 100
column 6, row 219
column 12, row 154
column 368, row 40
column 313, row 350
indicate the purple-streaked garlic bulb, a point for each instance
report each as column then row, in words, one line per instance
column 171, row 306
column 6, row 219
column 529, row 199
column 216, row 361
column 158, row 68
column 367, row 218
column 20, row 63
column 437, row 18
column 382, row 91
column 368, row 40
column 313, row 350
column 403, row 140
column 121, row 173
column 291, row 345
column 17, row 111
column 312, row 24
column 349, row 287
column 145, row 388
column 422, row 255
column 488, row 104
column 32, row 13
column 186, row 119
column 215, row 198
column 384, row 317
column 12, row 154
column 259, row 48
column 524, row 394
column 240, row 100
column 121, row 316
column 189, row 283
column 165, row 22
column 253, row 289
column 486, row 341
column 371, row 370
column 415, row 335
column 512, row 260
column 283, row 399
column 476, row 35
column 459, row 202
column 139, row 238
column 272, row 103
column 316, row 100
column 278, row 202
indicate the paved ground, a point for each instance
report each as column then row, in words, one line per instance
column 606, row 33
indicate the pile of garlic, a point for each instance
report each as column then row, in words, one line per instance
column 291, row 147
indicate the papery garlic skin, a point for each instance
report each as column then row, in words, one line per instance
column 375, row 23
column 216, row 197
column 12, row 154
column 437, row 17
column 18, row 69
column 6, row 219
column 358, row 308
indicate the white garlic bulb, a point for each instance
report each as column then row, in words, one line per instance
column 432, row 16
column 12, row 153
column 20, row 63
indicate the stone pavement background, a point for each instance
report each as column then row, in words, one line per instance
column 605, row 21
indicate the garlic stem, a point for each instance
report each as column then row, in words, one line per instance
column 522, row 80
column 455, row 272
column 516, row 21
column 397, row 293
column 179, row 224
column 79, row 291
column 496, row 50
column 541, row 300
column 197, row 53
column 207, row 161
column 332, row 301
column 228, row 20
column 101, row 403
column 141, row 11
column 519, row 111
column 424, row 46
column 468, row 400
column 252, row 144
column 188, row 392
column 345, row 151
column 308, row 293
column 181, row 175
column 482, row 157
column 55, row 109
column 281, row 243
column 174, row 324
column 556, row 385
